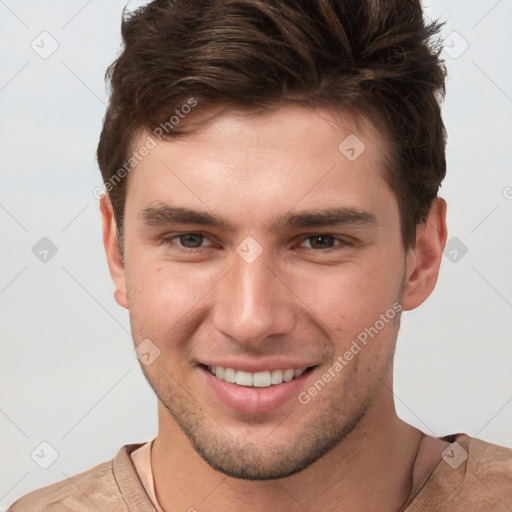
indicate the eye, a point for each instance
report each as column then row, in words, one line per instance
column 324, row 241
column 187, row 240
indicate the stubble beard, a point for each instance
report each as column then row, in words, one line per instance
column 242, row 458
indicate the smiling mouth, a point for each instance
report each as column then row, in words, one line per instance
column 262, row 379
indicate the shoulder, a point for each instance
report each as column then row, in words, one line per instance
column 96, row 488
column 472, row 475
column 489, row 466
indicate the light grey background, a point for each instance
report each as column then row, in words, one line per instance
column 68, row 374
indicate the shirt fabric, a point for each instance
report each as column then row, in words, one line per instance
column 472, row 476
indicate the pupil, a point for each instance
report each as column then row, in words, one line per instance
column 317, row 241
column 191, row 240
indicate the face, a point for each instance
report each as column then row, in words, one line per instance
column 255, row 246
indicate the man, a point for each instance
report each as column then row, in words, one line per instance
column 271, row 171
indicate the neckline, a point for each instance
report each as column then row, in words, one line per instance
column 430, row 451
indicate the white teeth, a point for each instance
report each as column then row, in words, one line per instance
column 258, row 379
column 288, row 375
column 230, row 375
column 277, row 376
column 261, row 379
column 243, row 378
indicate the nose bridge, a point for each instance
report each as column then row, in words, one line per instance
column 253, row 303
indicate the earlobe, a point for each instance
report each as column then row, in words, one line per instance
column 113, row 252
column 423, row 261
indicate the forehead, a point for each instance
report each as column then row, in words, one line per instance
column 262, row 161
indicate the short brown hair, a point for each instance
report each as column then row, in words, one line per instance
column 375, row 57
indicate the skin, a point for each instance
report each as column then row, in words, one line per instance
column 347, row 445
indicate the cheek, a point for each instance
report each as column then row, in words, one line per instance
column 163, row 297
column 166, row 300
column 350, row 297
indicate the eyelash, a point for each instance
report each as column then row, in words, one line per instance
column 170, row 240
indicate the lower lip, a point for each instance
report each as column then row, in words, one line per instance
column 251, row 399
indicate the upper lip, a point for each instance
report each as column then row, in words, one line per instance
column 260, row 365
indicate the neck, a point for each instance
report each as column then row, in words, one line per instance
column 370, row 469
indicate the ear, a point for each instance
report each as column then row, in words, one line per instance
column 423, row 261
column 112, row 250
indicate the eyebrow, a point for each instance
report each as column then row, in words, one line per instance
column 165, row 214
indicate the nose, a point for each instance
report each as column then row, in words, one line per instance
column 253, row 303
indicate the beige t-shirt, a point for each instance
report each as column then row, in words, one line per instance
column 471, row 476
